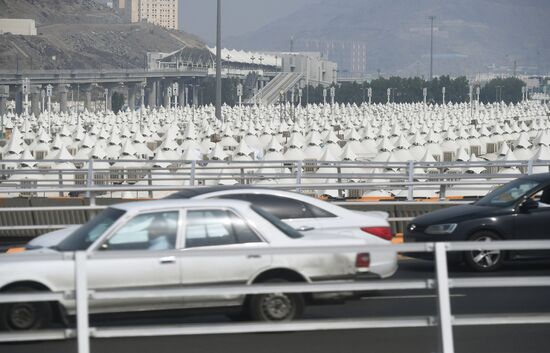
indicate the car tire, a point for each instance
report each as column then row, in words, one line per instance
column 484, row 260
column 276, row 307
column 25, row 316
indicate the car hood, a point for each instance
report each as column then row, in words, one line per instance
column 52, row 238
column 455, row 214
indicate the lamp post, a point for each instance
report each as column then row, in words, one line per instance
column 142, row 106
column 77, row 104
column 332, row 95
column 106, row 93
column 324, row 96
column 388, row 92
column 443, row 95
column 240, row 93
column 425, row 94
column 219, row 62
column 369, row 92
column 228, row 57
column 43, row 96
column 432, row 18
column 26, row 88
column 175, row 92
column 281, row 99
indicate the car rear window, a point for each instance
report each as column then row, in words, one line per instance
column 283, row 227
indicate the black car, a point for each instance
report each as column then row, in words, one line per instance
column 519, row 210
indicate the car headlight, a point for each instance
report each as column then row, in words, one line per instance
column 441, row 228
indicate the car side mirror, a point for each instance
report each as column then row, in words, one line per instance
column 528, row 205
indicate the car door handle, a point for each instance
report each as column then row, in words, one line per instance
column 305, row 228
column 168, row 260
column 254, row 256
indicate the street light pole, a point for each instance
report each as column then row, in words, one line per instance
column 432, row 18
column 219, row 62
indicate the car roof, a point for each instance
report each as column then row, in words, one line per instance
column 160, row 204
column 541, row 177
column 192, row 192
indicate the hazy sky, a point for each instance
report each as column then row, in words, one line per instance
column 239, row 16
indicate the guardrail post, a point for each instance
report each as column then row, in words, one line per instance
column 193, row 173
column 443, row 300
column 340, row 191
column 61, row 182
column 90, row 182
column 410, row 171
column 298, row 175
column 442, row 192
column 530, row 167
column 81, row 297
column 150, row 183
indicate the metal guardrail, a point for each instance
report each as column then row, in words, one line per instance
column 442, row 284
column 356, row 176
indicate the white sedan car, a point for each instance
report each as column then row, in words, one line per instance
column 163, row 233
column 306, row 214
column 311, row 216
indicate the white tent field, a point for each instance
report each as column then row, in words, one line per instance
column 129, row 145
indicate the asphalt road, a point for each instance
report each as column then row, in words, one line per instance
column 486, row 339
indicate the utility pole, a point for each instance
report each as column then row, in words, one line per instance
column 432, row 18
column 219, row 63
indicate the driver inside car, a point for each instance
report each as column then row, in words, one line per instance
column 161, row 234
column 545, row 198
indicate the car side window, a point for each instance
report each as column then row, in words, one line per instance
column 216, row 227
column 280, row 207
column 319, row 212
column 242, row 230
column 150, row 231
column 542, row 197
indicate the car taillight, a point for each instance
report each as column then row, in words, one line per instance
column 362, row 260
column 381, row 232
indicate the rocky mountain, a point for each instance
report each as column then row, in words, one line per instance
column 82, row 34
column 470, row 36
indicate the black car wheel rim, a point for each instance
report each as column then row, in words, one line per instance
column 277, row 306
column 485, row 258
column 23, row 316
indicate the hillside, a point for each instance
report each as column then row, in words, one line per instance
column 470, row 35
column 82, row 34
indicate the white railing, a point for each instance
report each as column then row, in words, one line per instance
column 441, row 284
column 409, row 178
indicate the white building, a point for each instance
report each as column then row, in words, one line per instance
column 312, row 65
column 18, row 26
column 163, row 13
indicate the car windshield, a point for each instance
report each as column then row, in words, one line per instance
column 282, row 226
column 508, row 194
column 84, row 236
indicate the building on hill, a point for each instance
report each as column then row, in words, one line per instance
column 351, row 55
column 18, row 26
column 163, row 13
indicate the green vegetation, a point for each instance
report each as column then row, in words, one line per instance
column 402, row 90
column 118, row 101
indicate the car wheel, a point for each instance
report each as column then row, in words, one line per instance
column 25, row 316
column 276, row 307
column 484, row 260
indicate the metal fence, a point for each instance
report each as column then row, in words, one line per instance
column 349, row 179
column 441, row 284
column 96, row 183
